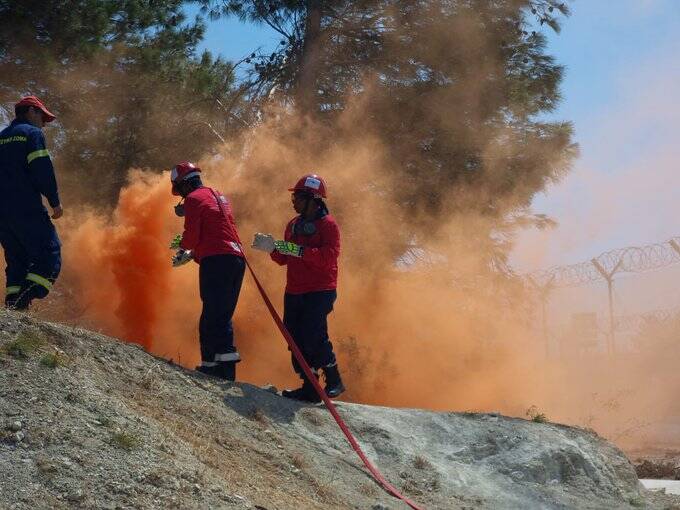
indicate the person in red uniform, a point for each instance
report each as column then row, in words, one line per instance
column 211, row 239
column 310, row 251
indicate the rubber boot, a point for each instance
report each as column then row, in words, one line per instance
column 226, row 370
column 306, row 393
column 334, row 386
column 11, row 301
column 23, row 302
column 212, row 371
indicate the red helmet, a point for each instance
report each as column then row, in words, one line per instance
column 36, row 103
column 312, row 184
column 182, row 171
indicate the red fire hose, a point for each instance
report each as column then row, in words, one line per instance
column 389, row 488
column 329, row 403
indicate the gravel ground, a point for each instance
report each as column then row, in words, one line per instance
column 89, row 422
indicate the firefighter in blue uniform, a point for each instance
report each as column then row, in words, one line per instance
column 28, row 237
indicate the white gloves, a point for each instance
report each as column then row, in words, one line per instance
column 263, row 242
column 181, row 257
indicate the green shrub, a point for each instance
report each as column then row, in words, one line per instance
column 26, row 343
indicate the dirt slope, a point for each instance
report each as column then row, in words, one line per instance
column 90, row 422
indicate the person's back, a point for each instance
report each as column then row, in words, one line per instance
column 210, row 236
column 210, row 228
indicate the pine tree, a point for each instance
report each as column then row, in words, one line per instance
column 457, row 91
column 124, row 79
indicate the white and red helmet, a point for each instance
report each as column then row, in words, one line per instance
column 181, row 172
column 312, row 184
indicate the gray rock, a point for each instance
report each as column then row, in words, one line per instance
column 179, row 445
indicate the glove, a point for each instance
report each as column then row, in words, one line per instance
column 288, row 248
column 174, row 244
column 182, row 257
column 264, row 242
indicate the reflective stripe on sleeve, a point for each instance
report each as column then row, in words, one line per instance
column 14, row 289
column 37, row 154
column 228, row 356
column 36, row 278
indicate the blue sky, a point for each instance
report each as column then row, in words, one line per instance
column 622, row 92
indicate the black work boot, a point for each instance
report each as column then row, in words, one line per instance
column 226, row 370
column 306, row 393
column 207, row 370
column 20, row 301
column 334, row 386
column 11, row 301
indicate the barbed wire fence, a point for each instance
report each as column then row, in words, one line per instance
column 604, row 267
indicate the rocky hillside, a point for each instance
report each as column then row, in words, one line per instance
column 90, row 422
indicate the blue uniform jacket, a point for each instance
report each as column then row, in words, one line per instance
column 26, row 171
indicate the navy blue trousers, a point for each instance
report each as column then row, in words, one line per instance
column 33, row 256
column 306, row 318
column 220, row 279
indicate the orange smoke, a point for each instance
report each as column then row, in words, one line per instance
column 398, row 331
column 120, row 266
column 141, row 282
column 435, row 330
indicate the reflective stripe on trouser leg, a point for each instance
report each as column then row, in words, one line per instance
column 208, row 364
column 40, row 280
column 228, row 356
column 14, row 289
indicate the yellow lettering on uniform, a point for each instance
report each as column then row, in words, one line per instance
column 11, row 139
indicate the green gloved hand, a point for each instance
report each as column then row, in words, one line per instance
column 288, row 248
column 174, row 244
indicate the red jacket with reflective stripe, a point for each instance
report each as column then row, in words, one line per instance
column 317, row 269
column 206, row 229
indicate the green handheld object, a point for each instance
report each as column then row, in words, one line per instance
column 288, row 248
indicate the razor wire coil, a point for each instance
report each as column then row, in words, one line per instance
column 633, row 259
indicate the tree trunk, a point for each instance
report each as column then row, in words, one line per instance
column 307, row 89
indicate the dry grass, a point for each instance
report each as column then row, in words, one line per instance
column 421, row 462
column 26, row 343
column 369, row 489
column 259, row 416
column 312, row 416
column 411, row 487
column 46, row 466
column 536, row 416
column 54, row 359
column 125, row 440
column 324, row 491
column 151, row 380
column 299, row 461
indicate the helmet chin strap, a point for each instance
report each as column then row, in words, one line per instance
column 179, row 208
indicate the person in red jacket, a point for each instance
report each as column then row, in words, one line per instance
column 211, row 239
column 310, row 251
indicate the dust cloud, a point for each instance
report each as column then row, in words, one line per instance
column 626, row 182
column 428, row 324
column 427, row 328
